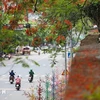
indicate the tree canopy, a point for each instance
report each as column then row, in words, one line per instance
column 57, row 18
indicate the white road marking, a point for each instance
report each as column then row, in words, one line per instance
column 3, row 75
column 3, row 91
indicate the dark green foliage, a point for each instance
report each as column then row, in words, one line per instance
column 92, row 10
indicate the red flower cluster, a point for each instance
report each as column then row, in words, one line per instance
column 49, row 38
column 30, row 10
column 31, row 31
column 43, row 25
column 13, row 8
column 36, row 41
column 60, row 39
column 58, row 25
column 79, row 2
column 13, row 23
column 69, row 24
column 5, row 27
column 46, row 1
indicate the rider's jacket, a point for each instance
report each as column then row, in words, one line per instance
column 18, row 80
column 12, row 73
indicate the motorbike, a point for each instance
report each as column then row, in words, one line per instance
column 7, row 56
column 17, row 86
column 30, row 79
column 11, row 79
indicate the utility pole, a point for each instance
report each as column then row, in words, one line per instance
column 68, row 58
column 65, row 72
column 70, row 53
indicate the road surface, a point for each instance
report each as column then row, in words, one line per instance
column 8, row 91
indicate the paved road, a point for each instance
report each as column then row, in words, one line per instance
column 7, row 90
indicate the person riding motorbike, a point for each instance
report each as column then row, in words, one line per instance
column 12, row 74
column 31, row 74
column 18, row 81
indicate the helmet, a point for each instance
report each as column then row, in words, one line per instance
column 30, row 69
column 12, row 70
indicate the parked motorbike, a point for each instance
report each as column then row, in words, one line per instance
column 11, row 79
column 7, row 56
column 17, row 86
column 30, row 79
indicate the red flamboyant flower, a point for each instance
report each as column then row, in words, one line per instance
column 31, row 31
column 68, row 23
column 60, row 39
column 28, row 32
column 19, row 7
column 34, row 30
column 36, row 41
column 46, row 1
column 58, row 25
column 79, row 2
column 13, row 23
column 49, row 38
column 5, row 27
column 30, row 10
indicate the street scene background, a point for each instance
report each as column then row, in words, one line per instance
column 8, row 91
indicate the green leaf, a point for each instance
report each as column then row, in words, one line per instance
column 2, row 64
column 36, row 63
column 25, row 65
column 19, row 62
column 17, row 59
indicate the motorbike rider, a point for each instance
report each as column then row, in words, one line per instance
column 18, row 81
column 12, row 74
column 31, row 74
